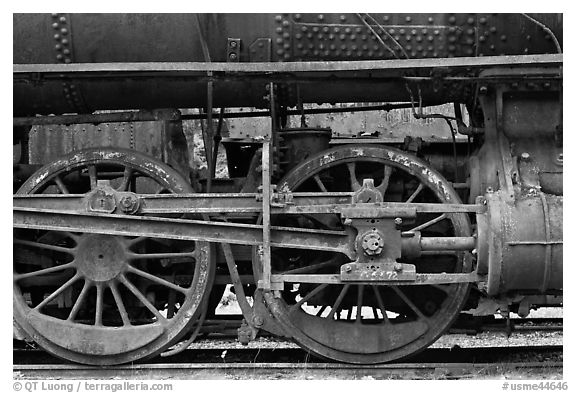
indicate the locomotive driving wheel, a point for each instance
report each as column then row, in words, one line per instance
column 101, row 299
column 358, row 322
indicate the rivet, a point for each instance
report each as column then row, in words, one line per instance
column 332, row 47
column 331, row 36
column 481, row 38
column 287, row 56
column 58, row 47
column 304, row 29
column 64, row 41
column 348, row 53
column 336, row 30
column 280, row 51
column 386, row 18
column 320, row 36
column 436, row 32
column 320, row 17
column 286, row 23
column 503, row 37
column 408, row 38
column 408, row 19
column 482, row 20
column 391, row 31
column 347, row 30
column 298, row 36
column 63, row 19
column 360, row 53
column 419, row 48
column 470, row 21
column 397, row 37
column 342, row 37
column 452, row 39
column 547, row 36
column 55, row 25
column 358, row 30
column 402, row 31
column 408, row 47
column 430, row 20
column 424, row 31
column 55, row 15
column 370, row 53
column 353, row 37
column 326, row 29
column 321, row 46
column 413, row 54
column 279, row 40
column 315, row 29
column 492, row 47
column 310, row 46
column 297, row 16
column 59, row 57
column 279, row 30
column 364, row 37
column 430, row 38
column 419, row 39
column 343, row 47
column 451, row 48
column 493, row 29
column 470, row 51
column 528, row 37
column 365, row 47
column 470, row 41
column 304, row 51
column 430, row 48
column 66, row 51
column 342, row 18
column 354, row 47
column 435, row 54
column 278, row 18
column 424, row 53
column 452, row 19
column 470, row 31
column 299, row 45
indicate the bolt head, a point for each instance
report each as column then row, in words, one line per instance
column 397, row 266
column 398, row 221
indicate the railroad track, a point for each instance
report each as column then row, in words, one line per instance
column 292, row 363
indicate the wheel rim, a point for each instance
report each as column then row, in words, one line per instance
column 358, row 323
column 101, row 299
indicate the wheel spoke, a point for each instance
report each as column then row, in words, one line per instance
column 415, row 193
column 126, row 179
column 157, row 280
column 385, row 180
column 46, row 246
column 359, row 303
column 338, row 301
column 60, row 184
column 99, row 304
column 380, row 303
column 408, row 302
column 320, row 184
column 119, row 304
column 429, row 223
column 308, row 296
column 140, row 296
column 79, row 301
column 353, row 181
column 309, row 268
column 93, row 176
column 57, row 292
column 48, row 270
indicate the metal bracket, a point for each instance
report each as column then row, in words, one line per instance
column 388, row 270
column 233, row 50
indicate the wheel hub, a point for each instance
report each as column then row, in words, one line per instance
column 101, row 258
column 372, row 243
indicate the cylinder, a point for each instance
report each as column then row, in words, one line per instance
column 520, row 244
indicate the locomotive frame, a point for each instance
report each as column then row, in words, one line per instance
column 384, row 241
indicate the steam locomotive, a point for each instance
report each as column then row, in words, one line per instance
column 362, row 249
